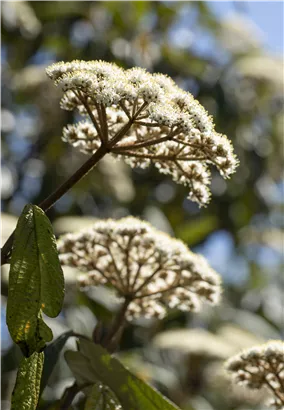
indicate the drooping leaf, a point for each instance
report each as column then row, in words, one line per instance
column 81, row 367
column 51, row 355
column 132, row 393
column 36, row 282
column 26, row 391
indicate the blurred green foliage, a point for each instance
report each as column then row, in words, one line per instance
column 224, row 64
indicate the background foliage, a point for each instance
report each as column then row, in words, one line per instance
column 226, row 67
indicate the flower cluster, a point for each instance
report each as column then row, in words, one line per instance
column 143, row 118
column 233, row 395
column 261, row 366
column 146, row 267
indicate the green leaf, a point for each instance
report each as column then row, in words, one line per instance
column 26, row 392
column 132, row 393
column 36, row 282
column 51, row 355
column 81, row 367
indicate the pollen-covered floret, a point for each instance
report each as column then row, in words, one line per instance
column 261, row 366
column 144, row 118
column 152, row 270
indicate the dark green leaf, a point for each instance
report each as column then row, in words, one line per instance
column 26, row 392
column 51, row 355
column 36, row 282
column 133, row 393
column 81, row 367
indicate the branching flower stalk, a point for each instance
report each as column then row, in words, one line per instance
column 149, row 270
column 143, row 118
column 261, row 366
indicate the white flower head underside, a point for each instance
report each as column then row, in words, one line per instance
column 149, row 268
column 143, row 118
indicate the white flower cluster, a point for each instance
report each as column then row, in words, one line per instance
column 233, row 395
column 261, row 366
column 144, row 118
column 146, row 267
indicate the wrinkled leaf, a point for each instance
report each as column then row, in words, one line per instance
column 133, row 393
column 36, row 282
column 51, row 355
column 26, row 392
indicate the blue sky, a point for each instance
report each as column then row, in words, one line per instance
column 267, row 15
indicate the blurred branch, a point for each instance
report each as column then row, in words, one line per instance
column 117, row 325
